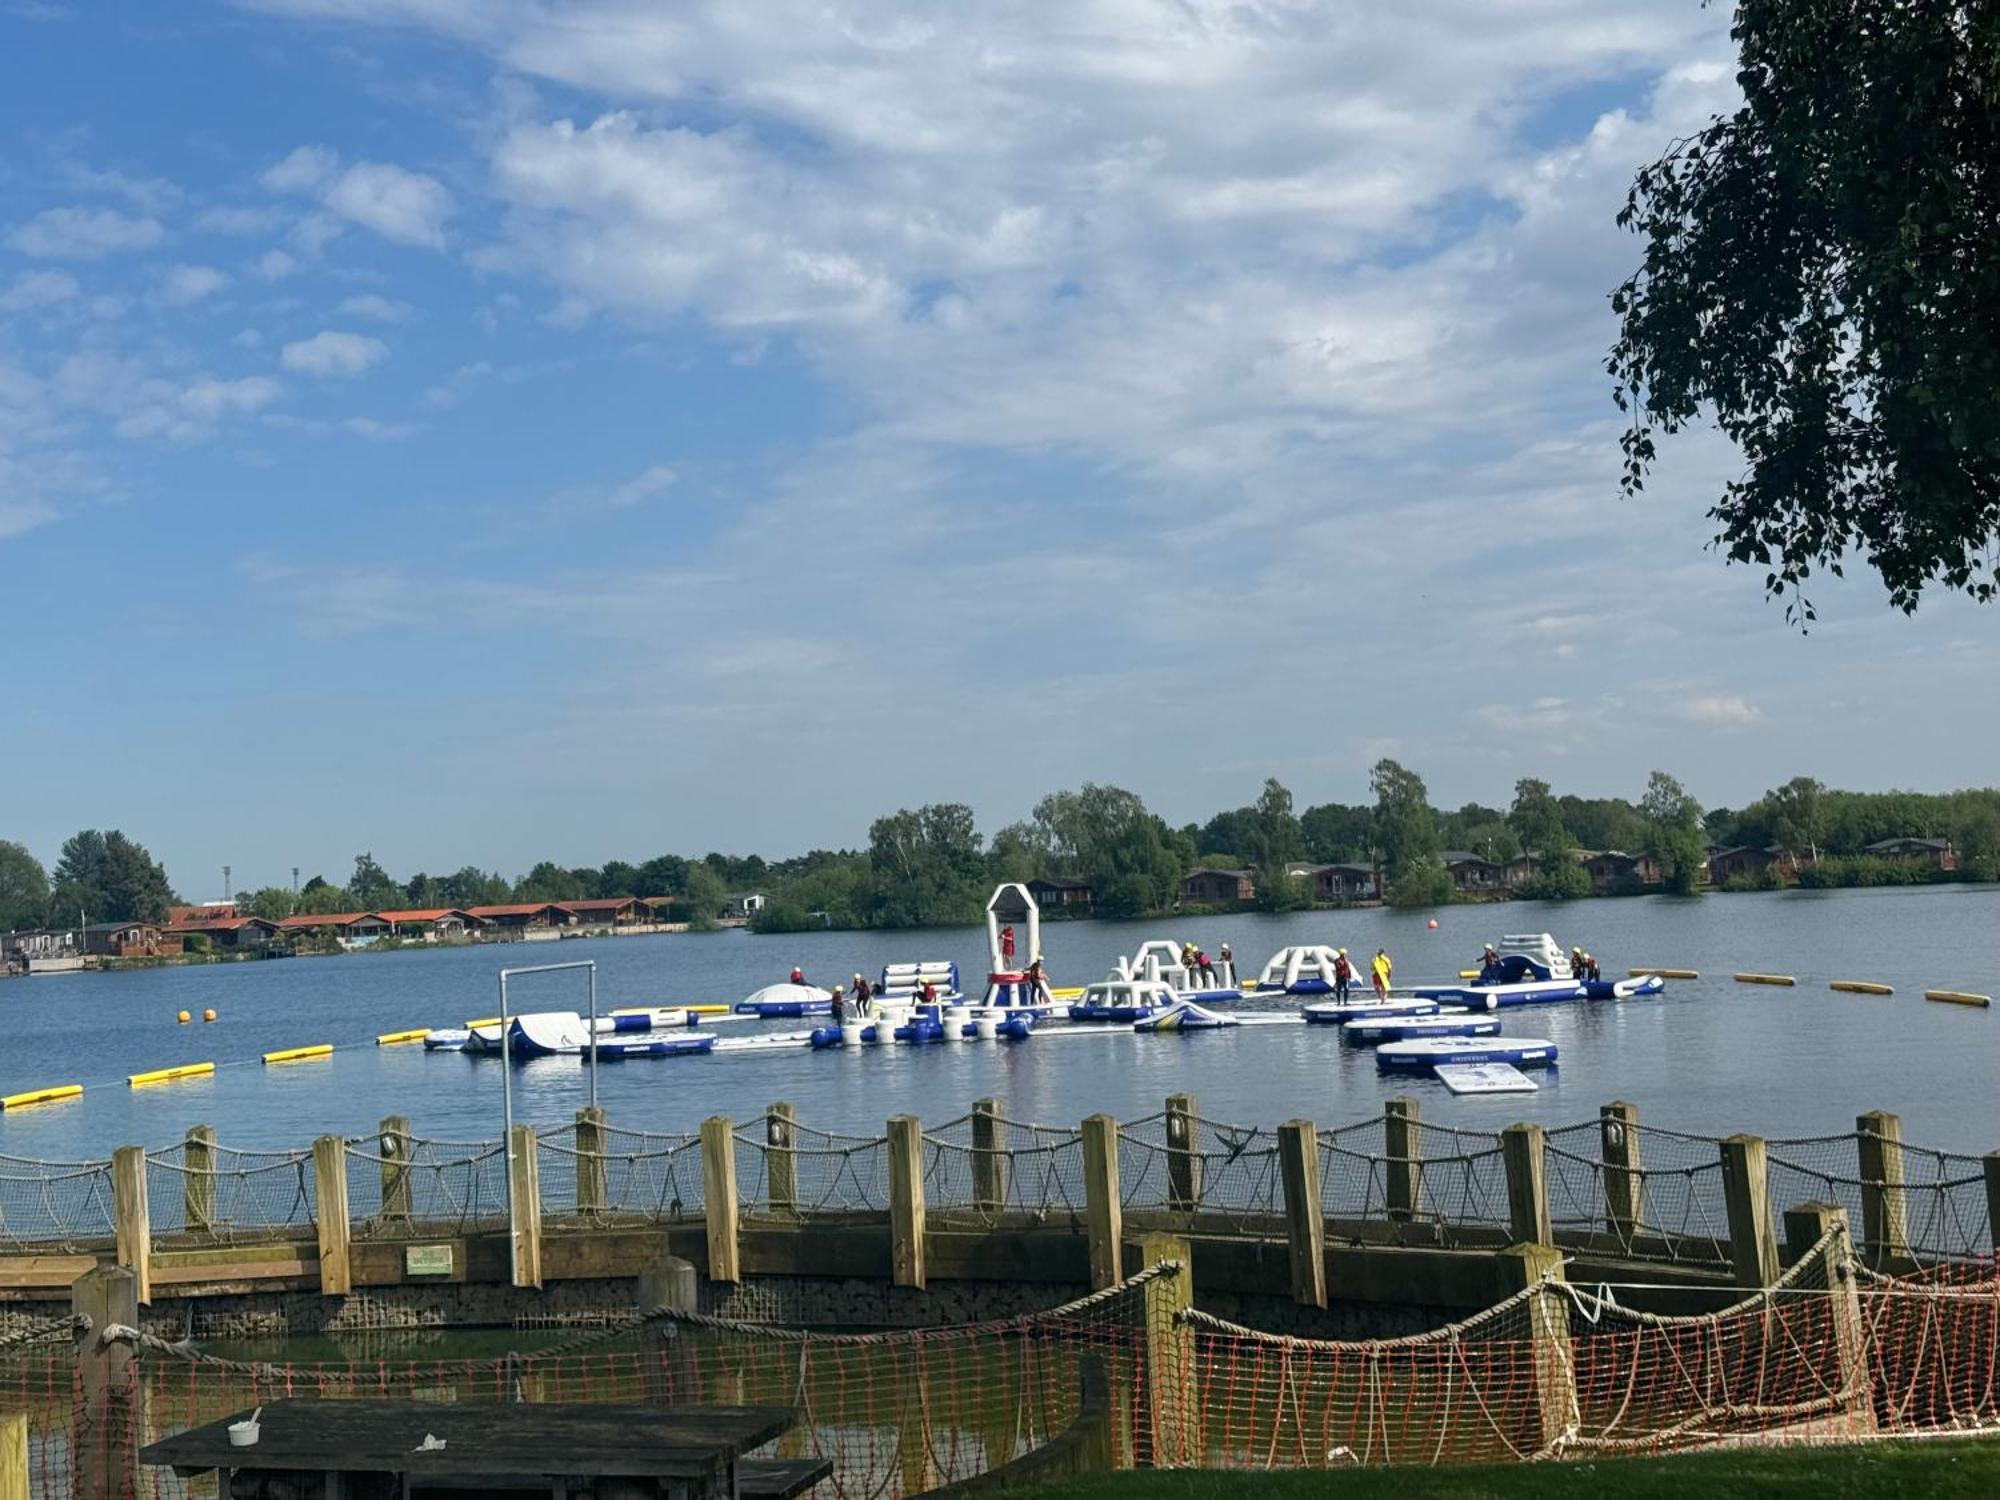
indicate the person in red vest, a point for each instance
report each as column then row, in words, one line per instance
column 1343, row 975
column 1007, row 945
column 798, row 975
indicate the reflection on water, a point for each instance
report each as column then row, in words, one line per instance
column 1711, row 1056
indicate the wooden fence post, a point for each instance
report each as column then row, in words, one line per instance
column 1523, row 1151
column 1305, row 1220
column 989, row 1156
column 198, row 1179
column 1174, row 1439
column 1103, row 1214
column 1885, row 1215
column 1183, row 1153
column 132, row 1218
column 394, row 1139
column 14, row 1455
column 1618, row 1150
column 102, row 1453
column 1753, row 1245
column 906, row 1201
column 781, row 1162
column 336, row 1276
column 1556, row 1410
column 593, row 1170
column 718, row 1198
column 1403, row 1146
column 1805, row 1227
column 524, row 1169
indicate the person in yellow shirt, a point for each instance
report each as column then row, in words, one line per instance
column 1383, row 968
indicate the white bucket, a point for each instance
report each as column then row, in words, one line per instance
column 987, row 1025
column 244, row 1434
column 850, row 1033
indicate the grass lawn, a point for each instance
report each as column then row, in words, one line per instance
column 1878, row 1471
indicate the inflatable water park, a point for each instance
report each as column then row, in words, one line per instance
column 1451, row 1032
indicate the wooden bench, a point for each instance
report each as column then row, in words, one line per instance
column 779, row 1478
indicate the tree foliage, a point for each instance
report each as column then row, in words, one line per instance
column 925, row 867
column 1106, row 835
column 1335, row 834
column 1674, row 833
column 1822, row 272
column 1406, row 832
column 108, row 878
column 24, row 888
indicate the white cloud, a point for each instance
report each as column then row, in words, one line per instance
column 33, row 289
column 376, row 431
column 149, row 195
column 333, row 353
column 238, row 220
column 306, row 170
column 1725, row 710
column 376, row 307
column 275, row 265
column 398, row 204
column 83, row 234
column 183, row 284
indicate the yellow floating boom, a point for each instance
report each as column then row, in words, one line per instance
column 299, row 1054
column 1784, row 979
column 1665, row 973
column 1068, row 992
column 483, row 1021
column 397, row 1038
column 171, row 1075
column 1861, row 987
column 1947, row 997
column 41, row 1096
column 708, row 1010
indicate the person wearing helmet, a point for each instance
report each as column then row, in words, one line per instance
column 1343, row 975
column 1382, row 969
column 1489, row 965
column 839, row 1005
column 864, row 997
column 798, row 975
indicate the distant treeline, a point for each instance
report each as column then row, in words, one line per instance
column 930, row 866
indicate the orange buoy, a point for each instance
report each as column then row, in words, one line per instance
column 1434, row 924
column 184, row 1018
column 208, row 1015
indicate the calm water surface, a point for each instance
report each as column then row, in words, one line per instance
column 1710, row 1056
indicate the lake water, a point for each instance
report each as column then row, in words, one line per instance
column 1710, row 1056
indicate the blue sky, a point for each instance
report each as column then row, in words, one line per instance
column 477, row 432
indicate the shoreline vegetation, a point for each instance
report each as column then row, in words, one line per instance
column 1099, row 851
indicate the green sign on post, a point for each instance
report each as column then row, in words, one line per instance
column 427, row 1260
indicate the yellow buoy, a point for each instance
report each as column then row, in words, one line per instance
column 1665, row 973
column 41, row 1096
column 1958, row 997
column 171, row 1075
column 1861, row 987
column 1784, row 979
column 1468, row 973
column 397, row 1038
column 299, row 1054
column 483, row 1021
column 208, row 1015
column 184, row 1018
column 708, row 1010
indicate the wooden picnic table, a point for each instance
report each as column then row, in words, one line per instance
column 374, row 1450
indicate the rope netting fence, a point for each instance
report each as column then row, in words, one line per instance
column 1831, row 1352
column 895, row 1413
column 1566, row 1371
column 1640, row 1191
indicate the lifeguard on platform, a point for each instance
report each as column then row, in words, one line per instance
column 1009, row 987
